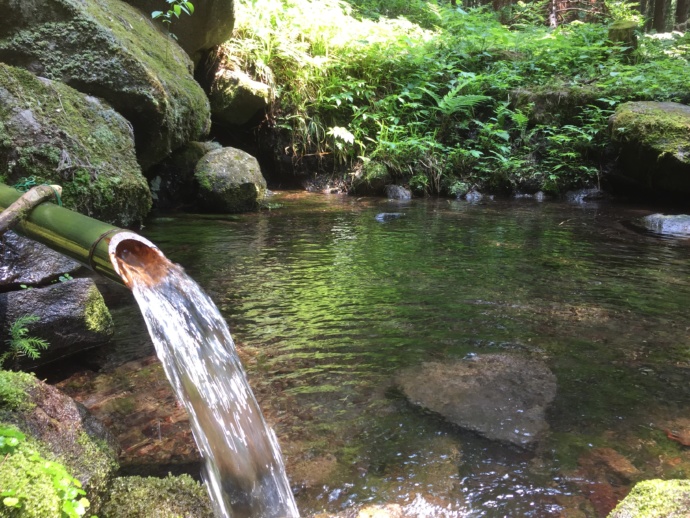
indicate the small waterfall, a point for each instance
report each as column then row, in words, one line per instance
column 243, row 468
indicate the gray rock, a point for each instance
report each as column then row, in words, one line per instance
column 654, row 145
column 235, row 97
column 173, row 184
column 24, row 261
column 397, row 192
column 500, row 396
column 676, row 226
column 72, row 316
column 59, row 136
column 585, row 195
column 229, row 181
column 474, row 196
column 210, row 25
column 111, row 50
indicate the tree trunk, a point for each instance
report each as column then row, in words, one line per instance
column 660, row 9
column 682, row 8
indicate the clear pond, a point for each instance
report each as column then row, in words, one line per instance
column 327, row 303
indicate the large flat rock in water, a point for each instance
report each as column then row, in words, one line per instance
column 499, row 396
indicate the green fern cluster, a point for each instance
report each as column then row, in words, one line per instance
column 20, row 344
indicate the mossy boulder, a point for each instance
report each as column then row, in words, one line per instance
column 172, row 181
column 229, row 181
column 656, row 499
column 109, row 49
column 236, row 98
column 60, row 430
column 72, row 317
column 654, row 143
column 171, row 497
column 209, row 26
column 57, row 135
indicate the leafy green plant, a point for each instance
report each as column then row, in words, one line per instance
column 20, row 344
column 34, row 485
column 177, row 7
column 435, row 95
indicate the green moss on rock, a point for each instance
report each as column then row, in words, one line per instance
column 656, row 499
column 97, row 316
column 14, row 388
column 57, row 135
column 18, row 474
column 63, row 431
column 171, row 497
column 235, row 97
column 654, row 139
column 229, row 181
column 110, row 49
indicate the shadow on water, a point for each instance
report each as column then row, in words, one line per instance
column 328, row 304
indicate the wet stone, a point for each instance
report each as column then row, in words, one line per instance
column 676, row 225
column 397, row 192
column 500, row 396
column 24, row 261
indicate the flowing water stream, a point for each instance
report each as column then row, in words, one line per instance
column 243, row 468
column 328, row 303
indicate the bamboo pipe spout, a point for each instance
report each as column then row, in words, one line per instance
column 80, row 237
column 137, row 260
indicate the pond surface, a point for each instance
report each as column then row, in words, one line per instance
column 327, row 304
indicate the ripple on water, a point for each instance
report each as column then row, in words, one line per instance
column 329, row 304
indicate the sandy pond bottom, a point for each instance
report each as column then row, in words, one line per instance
column 327, row 303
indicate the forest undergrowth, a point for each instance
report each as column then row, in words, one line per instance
column 445, row 99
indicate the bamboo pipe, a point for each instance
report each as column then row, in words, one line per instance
column 80, row 237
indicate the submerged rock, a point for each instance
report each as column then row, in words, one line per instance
column 230, row 181
column 499, row 396
column 72, row 316
column 111, row 50
column 388, row 216
column 656, row 499
column 654, row 142
column 677, row 225
column 57, row 135
column 24, row 261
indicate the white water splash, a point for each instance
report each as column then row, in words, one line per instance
column 243, row 467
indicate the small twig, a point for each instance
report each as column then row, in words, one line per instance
column 21, row 207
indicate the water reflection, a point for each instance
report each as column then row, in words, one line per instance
column 329, row 303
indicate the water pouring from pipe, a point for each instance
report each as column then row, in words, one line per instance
column 243, row 468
